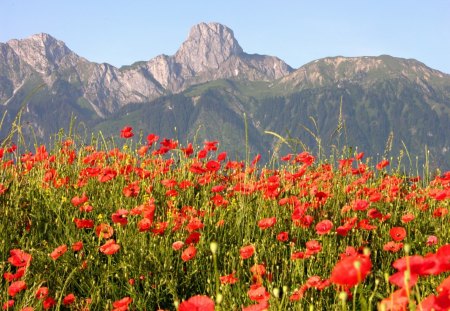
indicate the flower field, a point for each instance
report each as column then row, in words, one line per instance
column 155, row 225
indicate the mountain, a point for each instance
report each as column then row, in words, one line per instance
column 205, row 89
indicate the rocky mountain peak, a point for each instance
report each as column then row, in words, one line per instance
column 42, row 51
column 207, row 46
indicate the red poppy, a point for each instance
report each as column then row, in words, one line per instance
column 120, row 217
column 110, row 247
column 199, row 302
column 258, row 270
column 177, row 245
column 247, row 251
column 69, row 299
column 397, row 301
column 392, row 246
column 360, row 205
column 194, row 224
column 79, row 200
column 313, row 247
column 8, row 305
column 213, row 166
column 131, row 190
column 144, row 224
column 350, row 271
column 189, row 253
column 160, row 227
column 83, row 223
column 104, row 231
column 151, row 139
column 431, row 240
column 324, row 227
column 228, row 279
column 262, row 306
column 19, row 258
column 193, row 238
column 41, row 293
column 397, row 233
column 382, row 164
column 77, row 246
column 126, row 132
column 48, row 303
column 258, row 293
column 267, row 222
column 188, row 151
column 58, row 252
column 122, row 304
column 283, row 236
column 298, row 255
column 16, row 287
column 408, row 217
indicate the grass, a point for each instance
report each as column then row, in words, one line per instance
column 181, row 221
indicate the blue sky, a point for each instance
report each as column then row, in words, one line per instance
column 122, row 32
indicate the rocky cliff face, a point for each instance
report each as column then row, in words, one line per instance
column 210, row 52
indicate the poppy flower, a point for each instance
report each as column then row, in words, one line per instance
column 122, row 304
column 177, row 245
column 84, row 223
column 120, row 217
column 193, row 238
column 407, row 218
column 324, row 227
column 131, row 190
column 194, row 224
column 397, row 233
column 8, row 305
column 247, row 251
column 48, row 303
column 228, row 279
column 258, row 270
column 79, row 200
column 298, row 255
column 58, row 252
column 350, row 271
column 382, row 164
column 199, row 302
column 19, row 258
column 398, row 300
column 110, row 247
column 258, row 293
column 77, row 246
column 104, row 231
column 144, row 224
column 189, row 253
column 262, row 306
column 16, row 287
column 267, row 222
column 431, row 240
column 151, row 139
column 41, row 293
column 360, row 205
column 283, row 236
column 313, row 247
column 69, row 299
column 392, row 246
column 126, row 132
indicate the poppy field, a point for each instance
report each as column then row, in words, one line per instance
column 156, row 225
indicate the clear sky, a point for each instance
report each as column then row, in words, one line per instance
column 122, row 32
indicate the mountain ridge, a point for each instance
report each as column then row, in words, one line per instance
column 211, row 70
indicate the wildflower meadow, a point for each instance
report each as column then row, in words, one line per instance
column 157, row 225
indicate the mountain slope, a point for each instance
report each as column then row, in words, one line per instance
column 210, row 88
